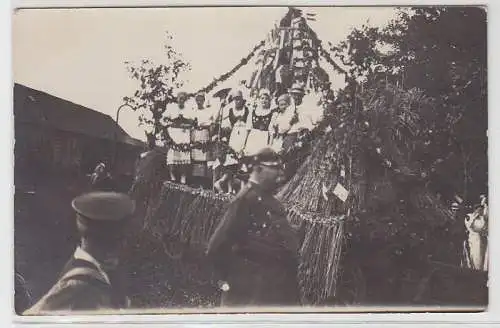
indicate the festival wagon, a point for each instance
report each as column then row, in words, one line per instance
column 371, row 231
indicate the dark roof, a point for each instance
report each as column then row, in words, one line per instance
column 37, row 107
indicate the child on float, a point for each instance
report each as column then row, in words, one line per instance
column 179, row 123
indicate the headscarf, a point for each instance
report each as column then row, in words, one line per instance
column 235, row 93
column 264, row 92
column 286, row 97
column 297, row 88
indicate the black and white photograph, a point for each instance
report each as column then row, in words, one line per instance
column 250, row 159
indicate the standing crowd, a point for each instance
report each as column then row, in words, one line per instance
column 210, row 146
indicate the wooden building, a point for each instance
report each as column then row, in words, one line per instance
column 56, row 136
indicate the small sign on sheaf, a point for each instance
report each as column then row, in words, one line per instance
column 341, row 192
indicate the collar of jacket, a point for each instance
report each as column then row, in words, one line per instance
column 81, row 254
column 256, row 186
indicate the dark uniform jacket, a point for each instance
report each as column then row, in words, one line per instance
column 82, row 286
column 22, row 294
column 255, row 250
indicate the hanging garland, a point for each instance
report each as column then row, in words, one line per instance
column 227, row 75
column 332, row 62
column 179, row 147
column 203, row 146
column 180, row 121
column 326, row 55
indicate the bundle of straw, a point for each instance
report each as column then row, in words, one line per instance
column 185, row 218
column 187, row 215
column 372, row 154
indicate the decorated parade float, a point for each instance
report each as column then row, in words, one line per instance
column 372, row 233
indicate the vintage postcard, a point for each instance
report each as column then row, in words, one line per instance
column 267, row 159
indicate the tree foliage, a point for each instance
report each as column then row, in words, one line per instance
column 441, row 51
column 157, row 86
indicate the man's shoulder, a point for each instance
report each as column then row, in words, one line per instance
column 89, row 289
column 245, row 195
column 252, row 191
column 72, row 294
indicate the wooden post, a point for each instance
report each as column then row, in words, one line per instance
column 219, row 130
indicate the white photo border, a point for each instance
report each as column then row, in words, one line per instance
column 355, row 320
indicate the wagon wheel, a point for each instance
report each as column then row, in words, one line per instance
column 352, row 287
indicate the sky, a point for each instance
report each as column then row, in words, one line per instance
column 80, row 54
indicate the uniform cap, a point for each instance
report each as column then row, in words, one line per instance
column 284, row 97
column 264, row 92
column 267, row 156
column 104, row 206
column 297, row 88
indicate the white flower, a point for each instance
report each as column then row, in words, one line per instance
column 225, row 287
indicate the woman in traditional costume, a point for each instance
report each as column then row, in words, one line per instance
column 179, row 123
column 200, row 137
column 259, row 125
column 234, row 124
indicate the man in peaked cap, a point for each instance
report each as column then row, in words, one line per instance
column 254, row 247
column 87, row 282
column 297, row 92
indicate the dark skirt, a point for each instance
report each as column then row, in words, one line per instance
column 200, row 169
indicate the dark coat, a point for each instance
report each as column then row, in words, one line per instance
column 81, row 287
column 256, row 251
column 22, row 294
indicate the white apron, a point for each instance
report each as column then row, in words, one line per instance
column 277, row 144
column 179, row 136
column 257, row 139
column 238, row 137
